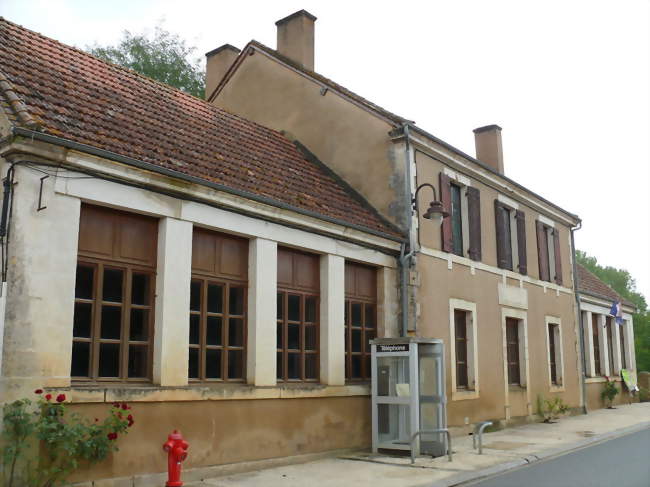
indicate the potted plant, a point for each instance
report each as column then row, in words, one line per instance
column 609, row 392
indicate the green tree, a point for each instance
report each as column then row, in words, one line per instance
column 164, row 57
column 624, row 284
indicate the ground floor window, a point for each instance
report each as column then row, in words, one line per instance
column 595, row 333
column 512, row 346
column 298, row 313
column 460, row 326
column 114, row 294
column 360, row 319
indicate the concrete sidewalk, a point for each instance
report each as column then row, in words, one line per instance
column 502, row 450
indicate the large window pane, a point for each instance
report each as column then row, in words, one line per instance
column 138, row 360
column 236, row 301
column 109, row 360
column 213, row 364
column 236, row 332
column 193, row 364
column 140, row 289
column 82, row 320
column 113, row 279
column 215, row 298
column 80, row 359
column 235, row 364
column 294, row 307
column 111, row 324
column 195, row 296
column 195, row 330
column 84, row 282
column 214, row 332
column 310, row 309
column 139, row 326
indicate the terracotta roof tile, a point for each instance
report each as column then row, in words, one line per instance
column 75, row 96
column 589, row 283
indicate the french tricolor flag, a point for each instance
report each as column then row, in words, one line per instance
column 617, row 312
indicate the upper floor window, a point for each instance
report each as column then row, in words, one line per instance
column 548, row 252
column 511, row 237
column 298, row 316
column 217, row 315
column 114, row 296
column 461, row 232
column 360, row 319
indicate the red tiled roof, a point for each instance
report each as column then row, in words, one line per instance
column 75, row 96
column 589, row 283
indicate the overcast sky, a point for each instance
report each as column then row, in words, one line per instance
column 568, row 81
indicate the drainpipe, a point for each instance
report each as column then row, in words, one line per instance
column 583, row 384
column 407, row 251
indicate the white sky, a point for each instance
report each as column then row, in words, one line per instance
column 567, row 80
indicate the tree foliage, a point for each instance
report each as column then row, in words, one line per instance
column 624, row 284
column 164, row 57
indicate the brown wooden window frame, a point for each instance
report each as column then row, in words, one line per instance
column 609, row 322
column 621, row 337
column 595, row 333
column 468, row 210
column 283, row 322
column 548, row 244
column 512, row 351
column 552, row 352
column 368, row 308
column 125, row 342
column 461, row 342
column 225, row 315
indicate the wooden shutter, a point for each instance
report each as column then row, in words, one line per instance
column 558, row 258
column 542, row 251
column 504, row 248
column 520, row 217
column 474, row 223
column 445, row 198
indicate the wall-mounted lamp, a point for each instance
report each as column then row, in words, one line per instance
column 436, row 211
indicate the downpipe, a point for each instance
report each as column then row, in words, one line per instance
column 406, row 251
column 583, row 359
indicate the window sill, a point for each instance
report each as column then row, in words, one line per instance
column 593, row 380
column 557, row 388
column 107, row 393
column 516, row 388
column 464, row 395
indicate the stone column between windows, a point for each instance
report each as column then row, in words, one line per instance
column 173, row 276
column 332, row 316
column 261, row 367
column 589, row 343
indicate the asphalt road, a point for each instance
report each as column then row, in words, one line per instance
column 621, row 462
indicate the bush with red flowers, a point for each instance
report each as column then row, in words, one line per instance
column 42, row 442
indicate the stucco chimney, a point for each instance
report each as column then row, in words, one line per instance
column 296, row 38
column 488, row 146
column 217, row 62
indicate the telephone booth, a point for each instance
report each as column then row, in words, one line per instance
column 408, row 395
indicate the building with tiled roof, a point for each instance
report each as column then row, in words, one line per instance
column 162, row 251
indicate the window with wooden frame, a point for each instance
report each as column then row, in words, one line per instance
column 217, row 322
column 114, row 296
column 552, row 352
column 512, row 347
column 461, row 232
column 298, row 313
column 511, row 238
column 460, row 327
column 621, row 336
column 610, row 345
column 596, row 343
column 548, row 253
column 360, row 319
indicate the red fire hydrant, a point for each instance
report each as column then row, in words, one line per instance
column 176, row 448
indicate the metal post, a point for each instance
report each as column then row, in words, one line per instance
column 478, row 431
column 441, row 430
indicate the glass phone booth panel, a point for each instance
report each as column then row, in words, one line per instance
column 408, row 394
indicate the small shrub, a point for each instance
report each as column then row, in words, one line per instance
column 550, row 409
column 42, row 443
column 609, row 392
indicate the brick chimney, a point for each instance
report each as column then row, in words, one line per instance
column 296, row 38
column 488, row 146
column 217, row 62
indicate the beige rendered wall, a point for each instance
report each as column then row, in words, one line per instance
column 441, row 279
column 222, row 432
column 428, row 170
column 351, row 141
column 594, row 388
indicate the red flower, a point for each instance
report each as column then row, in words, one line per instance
column 38, row 391
column 112, row 436
column 125, row 406
column 131, row 422
column 130, row 417
column 60, row 398
column 48, row 397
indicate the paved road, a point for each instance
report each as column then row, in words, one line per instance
column 621, row 462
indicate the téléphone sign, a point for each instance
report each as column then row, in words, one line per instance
column 402, row 347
